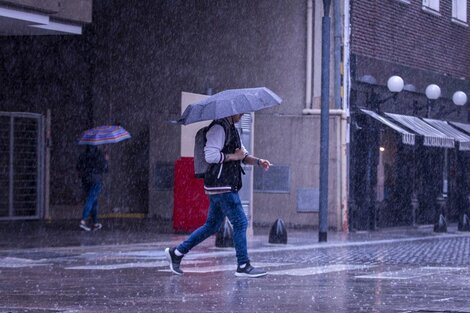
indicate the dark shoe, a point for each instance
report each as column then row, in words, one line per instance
column 84, row 226
column 249, row 271
column 97, row 226
column 174, row 261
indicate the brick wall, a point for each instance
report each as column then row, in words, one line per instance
column 406, row 34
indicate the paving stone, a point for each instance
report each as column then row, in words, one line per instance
column 397, row 271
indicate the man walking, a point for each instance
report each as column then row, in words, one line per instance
column 224, row 152
column 92, row 164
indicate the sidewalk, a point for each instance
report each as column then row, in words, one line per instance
column 55, row 267
column 41, row 234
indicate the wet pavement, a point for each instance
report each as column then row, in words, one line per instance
column 47, row 268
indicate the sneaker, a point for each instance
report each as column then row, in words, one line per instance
column 97, row 226
column 174, row 261
column 84, row 226
column 249, row 271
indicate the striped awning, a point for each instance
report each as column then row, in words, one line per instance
column 406, row 137
column 448, row 130
column 462, row 126
column 432, row 136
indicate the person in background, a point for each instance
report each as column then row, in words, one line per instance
column 92, row 165
column 224, row 152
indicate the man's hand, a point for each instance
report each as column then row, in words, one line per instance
column 252, row 160
column 264, row 164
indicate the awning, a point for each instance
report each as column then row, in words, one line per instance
column 432, row 136
column 406, row 137
column 444, row 127
column 462, row 126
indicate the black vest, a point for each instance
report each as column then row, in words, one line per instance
column 225, row 176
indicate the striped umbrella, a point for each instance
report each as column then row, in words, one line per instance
column 104, row 134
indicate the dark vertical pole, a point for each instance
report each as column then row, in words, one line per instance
column 337, row 47
column 324, row 123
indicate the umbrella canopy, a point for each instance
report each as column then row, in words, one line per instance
column 104, row 134
column 229, row 102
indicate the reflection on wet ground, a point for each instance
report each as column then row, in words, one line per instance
column 395, row 271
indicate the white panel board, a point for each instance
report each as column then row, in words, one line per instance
column 188, row 132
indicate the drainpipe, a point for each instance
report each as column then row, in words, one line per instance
column 346, row 58
column 346, row 87
column 324, row 123
column 342, row 157
column 308, row 86
column 337, row 20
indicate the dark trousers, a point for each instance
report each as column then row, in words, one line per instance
column 221, row 205
column 91, row 202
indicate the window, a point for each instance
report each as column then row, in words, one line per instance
column 459, row 10
column 431, row 4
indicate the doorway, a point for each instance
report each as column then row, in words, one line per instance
column 21, row 165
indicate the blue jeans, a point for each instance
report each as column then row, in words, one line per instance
column 221, row 205
column 91, row 202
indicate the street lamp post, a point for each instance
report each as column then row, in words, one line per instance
column 460, row 99
column 324, row 123
column 433, row 92
column 373, row 140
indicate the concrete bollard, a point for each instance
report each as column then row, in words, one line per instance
column 278, row 232
column 224, row 237
column 464, row 223
column 441, row 224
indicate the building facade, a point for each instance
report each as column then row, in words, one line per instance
column 130, row 66
column 392, row 180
